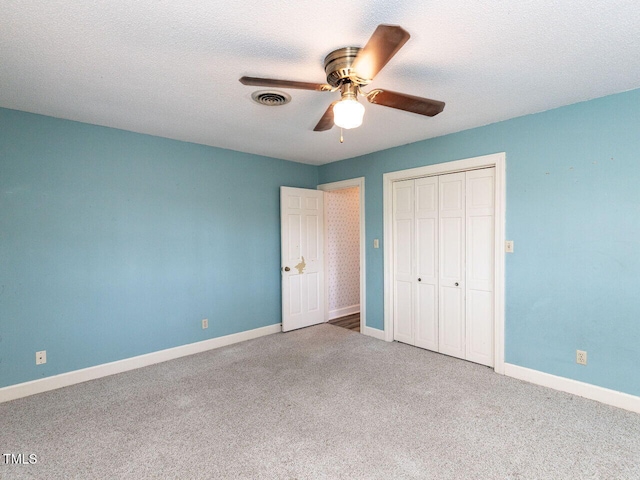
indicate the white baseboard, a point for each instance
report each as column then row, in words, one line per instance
column 341, row 312
column 374, row 332
column 586, row 390
column 25, row 389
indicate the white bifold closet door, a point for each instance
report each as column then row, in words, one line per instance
column 443, row 233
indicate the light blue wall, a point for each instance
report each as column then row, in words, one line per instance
column 115, row 244
column 573, row 210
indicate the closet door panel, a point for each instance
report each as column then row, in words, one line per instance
column 480, row 201
column 452, row 327
column 426, row 326
column 451, row 250
column 479, row 321
column 404, row 271
column 403, row 313
column 480, row 252
column 452, row 264
column 404, row 260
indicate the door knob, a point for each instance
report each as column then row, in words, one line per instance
column 419, row 279
column 286, row 269
column 456, row 284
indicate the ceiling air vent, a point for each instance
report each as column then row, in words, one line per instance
column 270, row 98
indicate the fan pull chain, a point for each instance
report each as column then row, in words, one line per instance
column 341, row 137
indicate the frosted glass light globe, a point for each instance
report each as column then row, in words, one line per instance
column 348, row 113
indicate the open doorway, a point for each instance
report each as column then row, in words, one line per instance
column 344, row 253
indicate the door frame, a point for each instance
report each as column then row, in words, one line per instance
column 330, row 187
column 497, row 160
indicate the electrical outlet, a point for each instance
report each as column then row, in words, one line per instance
column 41, row 357
column 581, row 357
column 205, row 323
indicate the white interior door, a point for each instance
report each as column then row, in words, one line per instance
column 302, row 257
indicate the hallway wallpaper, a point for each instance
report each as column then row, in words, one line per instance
column 343, row 250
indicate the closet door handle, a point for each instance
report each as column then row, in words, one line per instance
column 456, row 284
column 286, row 269
column 419, row 279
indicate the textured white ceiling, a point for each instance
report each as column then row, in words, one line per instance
column 171, row 68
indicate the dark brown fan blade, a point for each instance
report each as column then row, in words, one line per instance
column 326, row 122
column 270, row 82
column 381, row 47
column 408, row 103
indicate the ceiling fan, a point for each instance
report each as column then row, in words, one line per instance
column 350, row 68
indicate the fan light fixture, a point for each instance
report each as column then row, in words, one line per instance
column 348, row 113
column 350, row 68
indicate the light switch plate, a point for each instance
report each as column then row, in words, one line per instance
column 508, row 246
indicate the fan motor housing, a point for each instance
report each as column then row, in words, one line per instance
column 337, row 65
